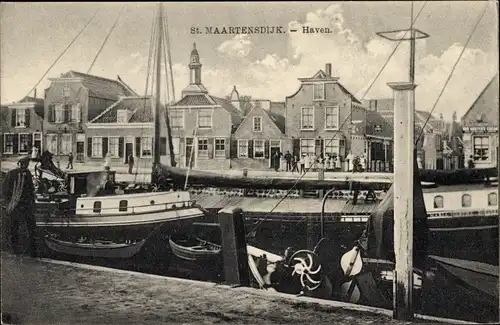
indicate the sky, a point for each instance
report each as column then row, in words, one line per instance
column 33, row 35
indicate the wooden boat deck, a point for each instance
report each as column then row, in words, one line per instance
column 301, row 206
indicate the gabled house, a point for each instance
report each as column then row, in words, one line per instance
column 480, row 127
column 21, row 127
column 323, row 118
column 71, row 101
column 259, row 136
column 202, row 124
column 127, row 128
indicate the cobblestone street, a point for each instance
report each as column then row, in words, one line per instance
column 38, row 292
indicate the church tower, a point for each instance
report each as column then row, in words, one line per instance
column 195, row 86
column 235, row 98
column 195, row 67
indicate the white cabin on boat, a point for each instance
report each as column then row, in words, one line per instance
column 133, row 203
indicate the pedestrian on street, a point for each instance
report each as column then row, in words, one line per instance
column 276, row 162
column 470, row 162
column 107, row 161
column 18, row 194
column 288, row 158
column 130, row 163
column 294, row 164
column 70, row 161
column 303, row 164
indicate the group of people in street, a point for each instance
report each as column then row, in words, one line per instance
column 310, row 162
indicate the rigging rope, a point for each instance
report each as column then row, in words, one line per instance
column 167, row 36
column 340, row 128
column 105, row 40
column 152, row 43
column 63, row 52
column 452, row 70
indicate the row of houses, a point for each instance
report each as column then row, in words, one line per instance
column 91, row 116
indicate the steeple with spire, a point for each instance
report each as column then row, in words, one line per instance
column 195, row 86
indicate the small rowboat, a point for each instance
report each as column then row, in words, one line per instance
column 193, row 248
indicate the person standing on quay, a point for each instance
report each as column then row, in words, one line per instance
column 70, row 161
column 18, row 194
column 130, row 163
column 288, row 158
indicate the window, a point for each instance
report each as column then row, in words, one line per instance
column 176, row 143
column 122, row 116
column 66, row 90
column 481, row 148
column 113, row 146
column 8, row 143
column 123, row 206
column 492, row 199
column 258, row 148
column 438, row 202
column 307, row 118
column 66, row 143
column 24, row 142
column 332, row 147
column 257, row 124
column 97, row 147
column 332, row 115
column 20, row 117
column 220, row 147
column 205, row 119
column 466, row 200
column 52, row 143
column 203, row 147
column 59, row 113
column 176, row 119
column 319, row 91
column 307, row 146
column 243, row 148
column 146, row 147
column 97, row 207
column 76, row 112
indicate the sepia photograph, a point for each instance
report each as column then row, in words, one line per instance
column 306, row 162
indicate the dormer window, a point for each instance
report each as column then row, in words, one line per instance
column 122, row 116
column 479, row 117
column 319, row 91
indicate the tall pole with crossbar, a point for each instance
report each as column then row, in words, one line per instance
column 404, row 108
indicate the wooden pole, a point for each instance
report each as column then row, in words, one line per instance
column 404, row 98
column 156, row 148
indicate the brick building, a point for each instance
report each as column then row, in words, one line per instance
column 480, row 127
column 202, row 124
column 127, row 128
column 71, row 101
column 21, row 127
column 259, row 136
column 324, row 118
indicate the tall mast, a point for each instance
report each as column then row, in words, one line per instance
column 156, row 150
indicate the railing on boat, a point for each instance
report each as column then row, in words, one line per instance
column 131, row 209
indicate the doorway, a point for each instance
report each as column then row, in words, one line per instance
column 274, row 146
column 189, row 152
column 129, row 149
column 80, row 151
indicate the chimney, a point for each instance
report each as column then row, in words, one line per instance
column 34, row 93
column 328, row 69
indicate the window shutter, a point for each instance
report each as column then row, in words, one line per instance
column 104, row 146
column 50, row 114
column 296, row 147
column 120, row 147
column 1, row 142
column 13, row 117
column 227, row 147
column 66, row 113
column 163, row 146
column 27, row 116
column 266, row 149
column 30, row 143
column 250, row 148
column 211, row 148
column 233, row 148
column 89, row 147
column 15, row 142
column 137, row 146
column 181, row 146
